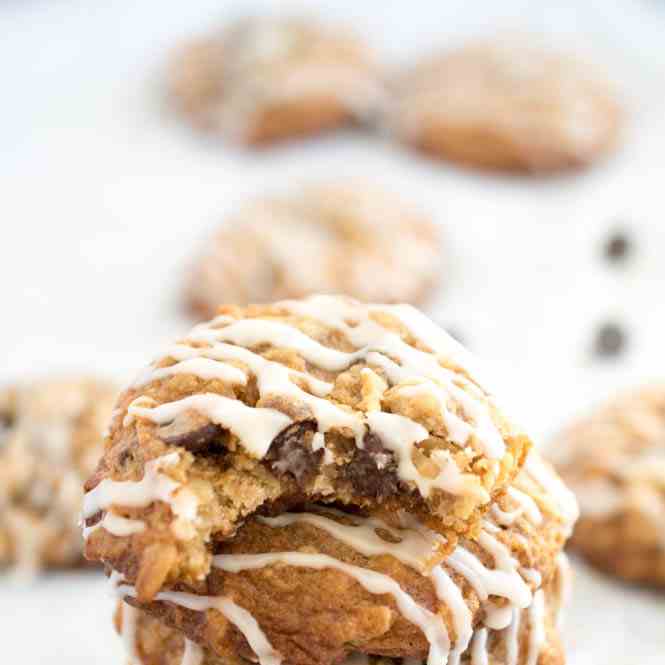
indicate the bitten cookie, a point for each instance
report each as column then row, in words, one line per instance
column 614, row 460
column 302, row 587
column 350, row 238
column 322, row 400
column 507, row 105
column 265, row 79
column 50, row 442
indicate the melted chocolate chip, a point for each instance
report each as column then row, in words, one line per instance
column 199, row 440
column 290, row 451
column 371, row 471
column 610, row 340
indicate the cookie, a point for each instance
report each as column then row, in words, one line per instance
column 350, row 238
column 50, row 442
column 507, row 105
column 267, row 79
column 323, row 399
column 614, row 460
column 300, row 588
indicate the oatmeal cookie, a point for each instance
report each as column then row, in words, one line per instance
column 508, row 105
column 50, row 442
column 614, row 460
column 322, row 400
column 265, row 79
column 350, row 237
column 311, row 587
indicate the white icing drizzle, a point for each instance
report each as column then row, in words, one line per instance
column 503, row 581
column 537, row 627
column 565, row 582
column 450, row 594
column 512, row 639
column 255, row 427
column 532, row 576
column 479, row 654
column 464, row 409
column 128, row 632
column 400, row 434
column 555, row 487
column 193, row 654
column 204, row 368
column 154, row 486
column 116, row 525
column 527, row 506
column 237, row 615
column 431, row 624
column 415, row 548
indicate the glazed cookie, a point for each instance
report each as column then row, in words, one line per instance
column 302, row 587
column 350, row 238
column 615, row 462
column 507, row 105
column 50, row 442
column 325, row 400
column 266, row 79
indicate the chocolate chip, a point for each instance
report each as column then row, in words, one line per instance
column 198, row 440
column 371, row 471
column 610, row 340
column 618, row 246
column 290, row 451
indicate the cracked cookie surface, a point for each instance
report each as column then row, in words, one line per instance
column 50, row 442
column 328, row 238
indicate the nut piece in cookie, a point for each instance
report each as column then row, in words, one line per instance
column 614, row 460
column 50, row 441
column 508, row 105
column 260, row 80
column 347, row 237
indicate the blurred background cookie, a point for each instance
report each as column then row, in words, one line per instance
column 507, row 104
column 265, row 79
column 50, row 441
column 351, row 238
column 614, row 460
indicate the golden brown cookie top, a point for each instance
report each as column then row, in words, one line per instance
column 50, row 442
column 323, row 399
column 529, row 106
column 228, row 80
column 345, row 237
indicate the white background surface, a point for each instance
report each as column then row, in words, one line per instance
column 104, row 196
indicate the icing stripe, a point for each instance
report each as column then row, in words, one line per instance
column 255, row 427
column 237, row 615
column 431, row 624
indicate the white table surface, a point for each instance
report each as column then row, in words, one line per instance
column 104, row 196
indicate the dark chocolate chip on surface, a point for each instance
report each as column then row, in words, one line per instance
column 197, row 440
column 370, row 471
column 290, row 451
column 610, row 341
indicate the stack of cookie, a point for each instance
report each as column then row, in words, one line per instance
column 320, row 479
